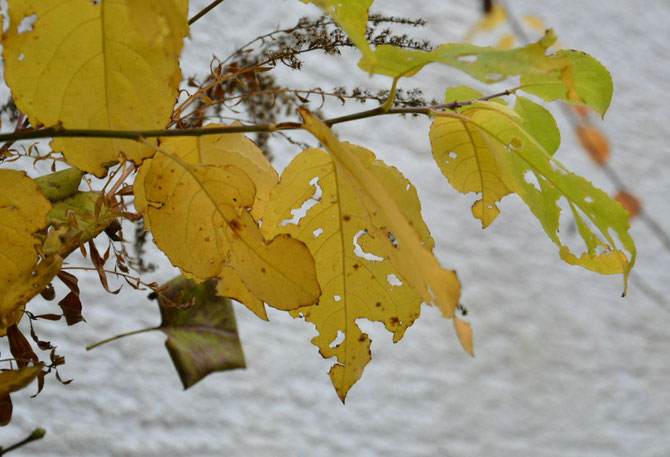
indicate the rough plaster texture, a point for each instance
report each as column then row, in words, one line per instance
column 564, row 366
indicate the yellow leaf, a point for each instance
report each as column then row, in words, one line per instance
column 13, row 380
column 111, row 65
column 198, row 207
column 23, row 211
column 464, row 157
column 356, row 279
column 231, row 149
column 389, row 226
column 464, row 332
column 527, row 168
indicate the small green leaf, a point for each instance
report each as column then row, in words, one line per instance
column 60, row 185
column 201, row 329
column 585, row 82
column 539, row 123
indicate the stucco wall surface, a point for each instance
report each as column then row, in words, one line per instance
column 564, row 366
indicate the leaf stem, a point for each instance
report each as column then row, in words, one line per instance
column 123, row 335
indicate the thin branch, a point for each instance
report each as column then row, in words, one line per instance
column 206, row 10
column 140, row 135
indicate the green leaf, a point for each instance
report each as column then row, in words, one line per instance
column 61, row 184
column 526, row 168
column 201, row 329
column 487, row 64
column 571, row 76
column 585, row 82
column 75, row 221
column 539, row 123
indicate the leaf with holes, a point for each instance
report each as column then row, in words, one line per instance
column 525, row 167
column 395, row 234
column 571, row 76
column 201, row 329
column 356, row 279
column 106, row 65
column 198, row 199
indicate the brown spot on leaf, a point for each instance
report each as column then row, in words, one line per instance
column 235, row 225
column 378, row 304
column 361, row 338
column 356, row 266
column 262, row 270
column 394, row 320
column 346, row 218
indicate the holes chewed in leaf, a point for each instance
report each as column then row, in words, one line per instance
column 467, row 59
column 299, row 213
column 26, row 24
column 338, row 340
column 393, row 280
column 317, row 232
column 358, row 250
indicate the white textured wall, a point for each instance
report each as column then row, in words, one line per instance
column 564, row 366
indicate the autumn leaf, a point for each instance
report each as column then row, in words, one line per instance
column 395, row 235
column 13, row 380
column 201, row 329
column 96, row 65
column 23, row 211
column 198, row 199
column 356, row 280
column 525, row 167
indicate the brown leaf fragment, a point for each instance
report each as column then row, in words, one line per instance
column 20, row 347
column 5, row 410
column 48, row 293
column 71, row 306
column 69, row 280
column 594, row 142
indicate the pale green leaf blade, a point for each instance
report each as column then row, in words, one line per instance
column 539, row 123
column 585, row 82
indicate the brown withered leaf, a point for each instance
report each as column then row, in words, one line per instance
column 71, row 306
column 5, row 409
column 20, row 347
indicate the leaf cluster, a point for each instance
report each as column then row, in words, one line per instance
column 337, row 237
